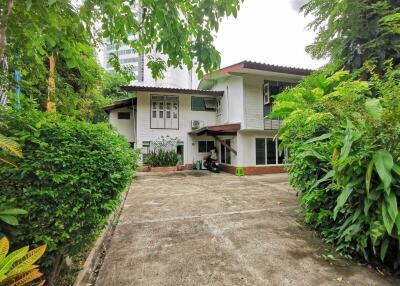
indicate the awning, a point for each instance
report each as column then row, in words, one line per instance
column 121, row 103
column 227, row 129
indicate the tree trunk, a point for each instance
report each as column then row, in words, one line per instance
column 51, row 93
column 3, row 59
column 55, row 271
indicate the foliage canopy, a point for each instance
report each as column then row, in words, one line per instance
column 351, row 32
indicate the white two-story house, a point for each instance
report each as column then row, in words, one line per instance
column 227, row 111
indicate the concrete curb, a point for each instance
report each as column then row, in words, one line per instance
column 88, row 275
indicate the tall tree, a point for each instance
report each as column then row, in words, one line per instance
column 4, row 19
column 183, row 30
column 351, row 32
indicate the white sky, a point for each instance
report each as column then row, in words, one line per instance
column 267, row 31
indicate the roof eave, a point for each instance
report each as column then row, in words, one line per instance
column 172, row 90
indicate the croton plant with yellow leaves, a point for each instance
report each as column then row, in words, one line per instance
column 17, row 268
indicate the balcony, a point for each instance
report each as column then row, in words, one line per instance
column 272, row 124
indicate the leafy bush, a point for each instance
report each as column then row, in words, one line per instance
column 344, row 140
column 162, row 158
column 163, row 153
column 70, row 179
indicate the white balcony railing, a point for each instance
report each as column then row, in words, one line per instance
column 272, row 124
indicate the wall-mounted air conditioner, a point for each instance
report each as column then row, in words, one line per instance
column 196, row 124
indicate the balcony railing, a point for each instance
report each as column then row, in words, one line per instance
column 272, row 124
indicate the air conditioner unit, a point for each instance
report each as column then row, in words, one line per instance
column 196, row 124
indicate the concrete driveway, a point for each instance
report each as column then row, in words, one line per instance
column 198, row 228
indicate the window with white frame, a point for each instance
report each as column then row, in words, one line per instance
column 266, row 93
column 267, row 152
column 270, row 89
column 164, row 112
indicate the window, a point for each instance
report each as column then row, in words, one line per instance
column 219, row 106
column 271, row 151
column 271, row 88
column 210, row 104
column 260, row 151
column 267, row 152
column 124, row 115
column 206, row 146
column 226, row 153
column 267, row 99
column 164, row 112
column 203, row 103
column 129, row 60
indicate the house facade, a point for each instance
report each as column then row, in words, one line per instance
column 227, row 111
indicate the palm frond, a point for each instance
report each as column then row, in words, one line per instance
column 11, row 164
column 10, row 146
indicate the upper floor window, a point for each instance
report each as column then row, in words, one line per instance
column 203, row 103
column 164, row 112
column 124, row 115
column 219, row 106
column 271, row 88
column 267, row 96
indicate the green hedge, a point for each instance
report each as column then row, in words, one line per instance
column 343, row 136
column 70, row 179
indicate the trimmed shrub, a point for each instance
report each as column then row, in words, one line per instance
column 70, row 179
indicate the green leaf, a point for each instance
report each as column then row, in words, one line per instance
column 13, row 211
column 387, row 220
column 396, row 169
column 374, row 108
column 351, row 135
column 319, row 138
column 313, row 153
column 383, row 161
column 384, row 248
column 342, row 199
column 327, row 176
column 391, row 202
column 367, row 204
column 397, row 222
column 9, row 219
column 368, row 176
column 377, row 230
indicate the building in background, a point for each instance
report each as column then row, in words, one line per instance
column 128, row 58
column 137, row 63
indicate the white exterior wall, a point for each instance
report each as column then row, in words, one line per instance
column 247, row 146
column 186, row 115
column 125, row 127
column 232, row 101
column 254, row 106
